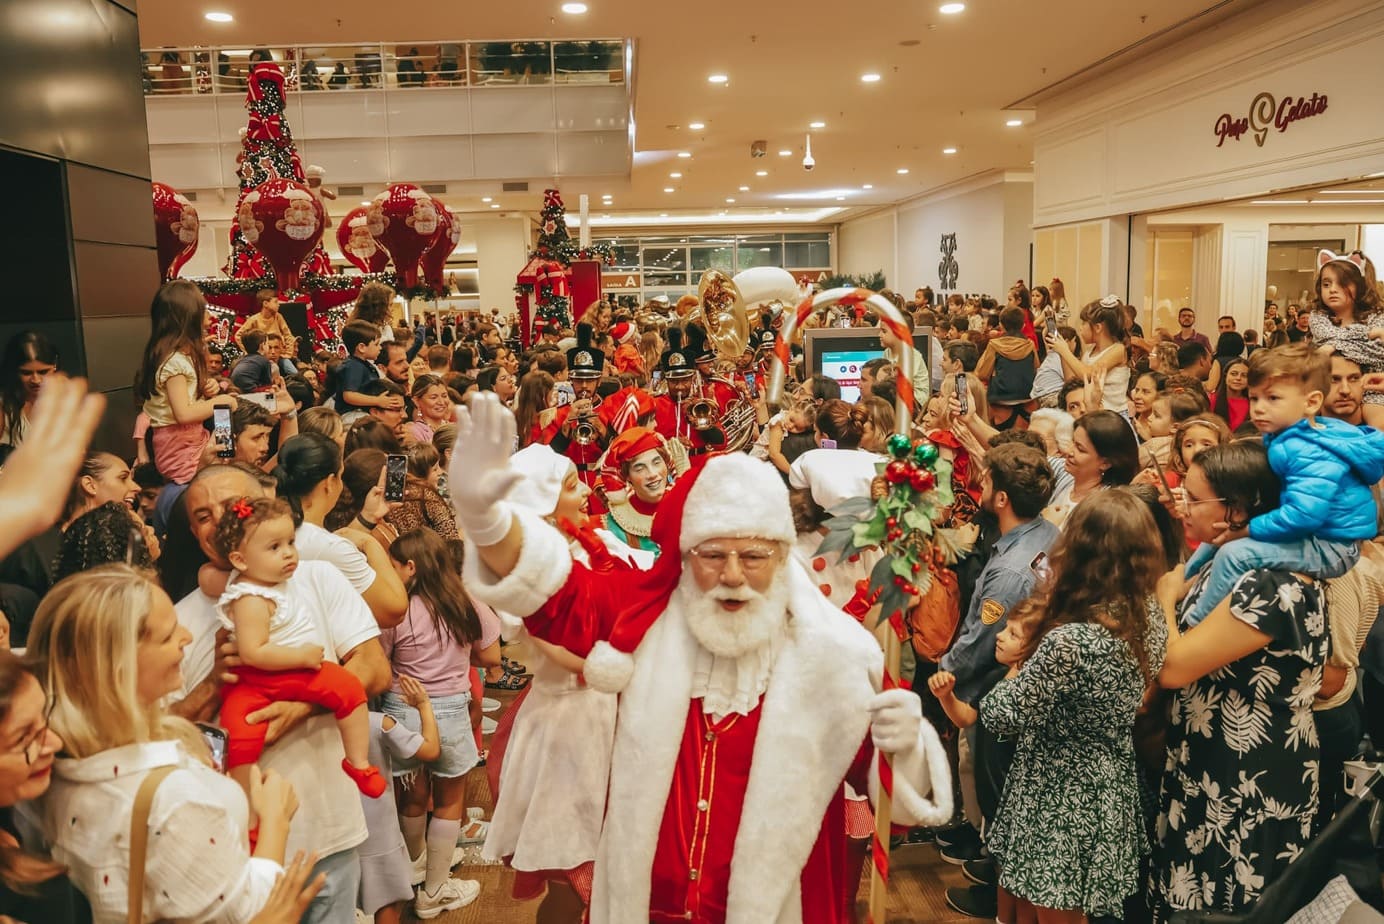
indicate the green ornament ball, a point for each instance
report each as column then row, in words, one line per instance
column 898, row 445
column 925, row 453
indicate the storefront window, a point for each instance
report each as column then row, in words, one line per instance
column 672, row 266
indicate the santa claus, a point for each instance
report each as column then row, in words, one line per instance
column 747, row 699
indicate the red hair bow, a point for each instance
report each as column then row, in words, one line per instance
column 242, row 508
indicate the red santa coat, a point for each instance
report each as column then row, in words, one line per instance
column 809, row 735
column 585, row 458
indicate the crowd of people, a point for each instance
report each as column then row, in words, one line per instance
column 257, row 640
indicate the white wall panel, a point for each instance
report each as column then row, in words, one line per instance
column 431, row 159
column 348, row 160
column 180, row 119
column 190, row 166
column 429, row 112
column 592, row 153
column 512, row 109
column 342, row 114
column 515, row 156
column 1070, row 173
column 592, row 108
column 867, row 244
column 502, row 248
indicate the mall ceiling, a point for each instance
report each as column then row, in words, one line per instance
column 945, row 81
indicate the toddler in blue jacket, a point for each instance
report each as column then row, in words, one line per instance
column 1326, row 467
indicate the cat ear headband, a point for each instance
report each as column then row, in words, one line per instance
column 1325, row 256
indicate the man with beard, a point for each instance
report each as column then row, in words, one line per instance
column 1346, row 401
column 301, row 738
column 750, row 699
column 641, row 458
column 584, row 365
column 1016, row 482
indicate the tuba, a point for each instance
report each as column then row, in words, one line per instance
column 724, row 317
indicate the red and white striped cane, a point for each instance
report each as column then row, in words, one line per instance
column 898, row 325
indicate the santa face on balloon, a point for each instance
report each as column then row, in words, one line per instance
column 250, row 228
column 300, row 219
column 361, row 242
column 647, row 476
column 375, row 218
column 187, row 224
column 424, row 217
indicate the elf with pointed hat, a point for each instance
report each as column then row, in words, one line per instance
column 637, row 473
column 748, row 699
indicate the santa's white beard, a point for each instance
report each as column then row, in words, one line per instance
column 729, row 634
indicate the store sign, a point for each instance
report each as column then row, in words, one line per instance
column 807, row 277
column 619, row 281
column 1267, row 112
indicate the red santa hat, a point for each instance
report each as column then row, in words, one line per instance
column 623, row 333
column 625, row 448
column 544, row 471
column 721, row 497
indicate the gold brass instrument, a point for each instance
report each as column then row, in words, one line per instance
column 722, row 314
column 585, row 432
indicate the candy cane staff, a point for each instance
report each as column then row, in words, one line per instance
column 747, row 698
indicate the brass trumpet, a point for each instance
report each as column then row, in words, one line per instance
column 585, row 432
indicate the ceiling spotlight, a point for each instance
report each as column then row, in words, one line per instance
column 869, row 78
column 675, row 175
column 840, row 198
column 951, row 9
column 684, row 154
column 667, row 189
column 949, row 150
column 486, row 199
column 785, row 153
column 761, row 173
column 817, row 125
column 729, row 200
column 718, row 78
column 662, row 214
column 1014, row 123
column 494, row 205
column 365, row 202
column 901, row 171
column 696, row 126
column 219, row 17
column 576, row 9
column 868, row 186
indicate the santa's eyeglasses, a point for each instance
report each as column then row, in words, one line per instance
column 751, row 560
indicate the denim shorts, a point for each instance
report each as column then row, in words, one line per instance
column 453, row 716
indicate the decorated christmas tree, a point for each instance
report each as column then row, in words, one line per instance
column 554, row 254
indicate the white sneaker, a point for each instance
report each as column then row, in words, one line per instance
column 451, row 895
column 420, row 865
column 488, row 725
column 490, row 705
column 363, row 918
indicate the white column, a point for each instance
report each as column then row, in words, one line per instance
column 502, row 249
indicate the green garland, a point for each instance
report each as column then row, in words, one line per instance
column 311, row 282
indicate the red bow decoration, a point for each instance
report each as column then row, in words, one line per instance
column 262, row 129
column 242, row 508
column 262, row 73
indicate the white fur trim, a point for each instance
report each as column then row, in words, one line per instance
column 544, row 563
column 737, row 497
column 918, row 772
column 813, row 723
column 607, row 668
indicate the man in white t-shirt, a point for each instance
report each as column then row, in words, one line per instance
column 301, row 739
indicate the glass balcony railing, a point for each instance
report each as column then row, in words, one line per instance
column 326, row 68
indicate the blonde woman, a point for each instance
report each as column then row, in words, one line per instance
column 107, row 648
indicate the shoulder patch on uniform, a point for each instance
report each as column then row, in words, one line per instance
column 991, row 612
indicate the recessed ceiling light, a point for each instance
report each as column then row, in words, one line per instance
column 840, row 198
column 744, row 189
column 576, row 9
column 662, row 214
column 667, row 189
column 949, row 150
column 730, row 200
column 684, row 153
column 494, row 205
column 1014, row 123
column 951, row 9
column 785, row 153
column 817, row 125
column 868, row 186
column 901, row 171
column 486, row 199
column 696, row 126
column 220, row 17
column 718, row 78
column 761, row 173
column 365, row 202
column 869, row 78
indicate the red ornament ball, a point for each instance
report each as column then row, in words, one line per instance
column 922, row 481
column 825, row 589
column 896, row 472
column 819, row 564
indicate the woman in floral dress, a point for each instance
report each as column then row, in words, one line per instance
column 1239, row 791
column 1069, row 834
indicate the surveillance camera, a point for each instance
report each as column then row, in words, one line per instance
column 758, row 148
column 808, row 162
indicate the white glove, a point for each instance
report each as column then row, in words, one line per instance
column 896, row 716
column 479, row 477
